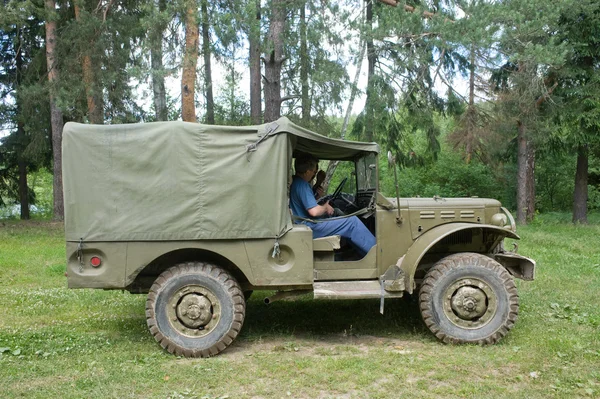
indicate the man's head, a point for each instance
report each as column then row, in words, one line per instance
column 306, row 166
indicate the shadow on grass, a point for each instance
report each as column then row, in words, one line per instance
column 307, row 317
column 304, row 317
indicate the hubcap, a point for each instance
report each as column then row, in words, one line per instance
column 470, row 303
column 194, row 311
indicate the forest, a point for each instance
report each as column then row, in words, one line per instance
column 480, row 98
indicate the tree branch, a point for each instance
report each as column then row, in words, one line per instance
column 426, row 14
column 282, row 99
column 437, row 71
column 546, row 95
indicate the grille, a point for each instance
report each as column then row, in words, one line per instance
column 460, row 237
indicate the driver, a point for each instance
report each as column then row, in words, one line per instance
column 304, row 205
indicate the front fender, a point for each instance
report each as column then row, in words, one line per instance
column 425, row 242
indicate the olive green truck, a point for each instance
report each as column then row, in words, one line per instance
column 197, row 217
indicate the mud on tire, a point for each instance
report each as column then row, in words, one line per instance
column 469, row 298
column 195, row 309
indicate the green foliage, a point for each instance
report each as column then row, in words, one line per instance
column 450, row 176
column 554, row 182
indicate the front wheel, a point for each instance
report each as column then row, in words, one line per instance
column 469, row 298
column 195, row 309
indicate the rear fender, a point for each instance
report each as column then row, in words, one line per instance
column 429, row 239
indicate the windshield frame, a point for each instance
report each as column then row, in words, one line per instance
column 366, row 172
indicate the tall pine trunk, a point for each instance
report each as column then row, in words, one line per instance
column 274, row 61
column 304, row 65
column 190, row 61
column 521, row 174
column 23, row 187
column 371, row 58
column 525, row 176
column 254, row 61
column 334, row 164
column 158, row 72
column 580, row 194
column 471, row 108
column 56, row 117
column 22, row 139
column 92, row 90
column 530, row 176
column 208, row 87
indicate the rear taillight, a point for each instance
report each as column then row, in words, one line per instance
column 95, row 261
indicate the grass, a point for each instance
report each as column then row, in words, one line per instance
column 56, row 342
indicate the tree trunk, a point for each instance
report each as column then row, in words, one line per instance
column 274, row 61
column 232, row 97
column 56, row 116
column 21, row 137
column 254, row 61
column 304, row 65
column 580, row 194
column 333, row 164
column 471, row 108
column 158, row 72
column 92, row 91
column 530, row 175
column 210, row 103
column 521, row 174
column 370, row 112
column 190, row 61
column 23, row 188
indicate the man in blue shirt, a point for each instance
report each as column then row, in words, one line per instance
column 304, row 205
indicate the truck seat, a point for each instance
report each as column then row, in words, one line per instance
column 326, row 243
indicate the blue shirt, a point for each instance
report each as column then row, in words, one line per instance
column 301, row 197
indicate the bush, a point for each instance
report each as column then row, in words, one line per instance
column 450, row 176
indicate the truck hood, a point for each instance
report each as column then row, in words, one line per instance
column 440, row 202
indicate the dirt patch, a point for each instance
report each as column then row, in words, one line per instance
column 329, row 345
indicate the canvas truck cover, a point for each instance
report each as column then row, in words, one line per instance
column 184, row 181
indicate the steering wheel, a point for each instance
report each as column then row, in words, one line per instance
column 338, row 189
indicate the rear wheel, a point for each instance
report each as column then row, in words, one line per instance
column 469, row 298
column 195, row 309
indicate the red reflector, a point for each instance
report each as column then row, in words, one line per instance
column 95, row 261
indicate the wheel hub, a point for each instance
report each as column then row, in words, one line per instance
column 194, row 310
column 470, row 303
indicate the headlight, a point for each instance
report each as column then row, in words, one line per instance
column 499, row 219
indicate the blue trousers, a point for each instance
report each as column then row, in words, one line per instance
column 351, row 228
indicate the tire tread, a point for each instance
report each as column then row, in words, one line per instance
column 230, row 285
column 455, row 261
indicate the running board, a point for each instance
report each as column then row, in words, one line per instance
column 352, row 290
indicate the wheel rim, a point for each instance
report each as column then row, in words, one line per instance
column 194, row 311
column 470, row 303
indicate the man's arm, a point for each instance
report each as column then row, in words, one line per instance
column 320, row 210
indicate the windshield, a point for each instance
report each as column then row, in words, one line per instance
column 366, row 172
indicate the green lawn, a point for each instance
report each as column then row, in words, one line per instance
column 56, row 342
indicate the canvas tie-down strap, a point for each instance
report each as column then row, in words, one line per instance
column 276, row 250
column 252, row 147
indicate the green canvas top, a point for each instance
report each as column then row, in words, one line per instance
column 185, row 181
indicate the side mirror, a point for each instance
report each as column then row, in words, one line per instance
column 391, row 159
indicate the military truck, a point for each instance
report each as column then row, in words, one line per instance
column 197, row 217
